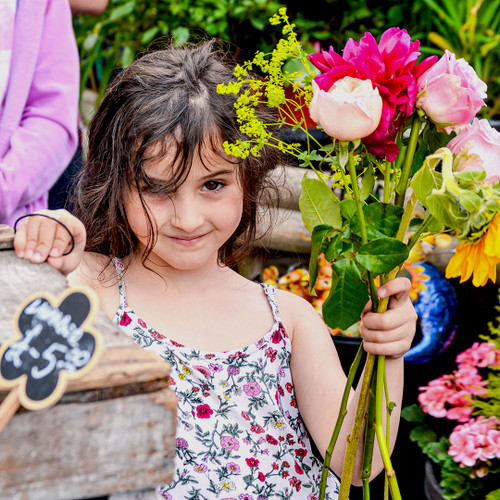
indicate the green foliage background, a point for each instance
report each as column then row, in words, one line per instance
column 128, row 27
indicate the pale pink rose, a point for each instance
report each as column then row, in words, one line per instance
column 350, row 110
column 450, row 92
column 478, row 145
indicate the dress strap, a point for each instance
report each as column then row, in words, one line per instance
column 120, row 269
column 270, row 292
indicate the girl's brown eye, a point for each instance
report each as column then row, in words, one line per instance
column 213, row 185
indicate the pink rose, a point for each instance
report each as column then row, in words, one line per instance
column 479, row 147
column 392, row 67
column 350, row 110
column 450, row 92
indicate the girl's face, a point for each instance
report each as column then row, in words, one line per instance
column 193, row 222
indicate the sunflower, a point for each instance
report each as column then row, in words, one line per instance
column 478, row 259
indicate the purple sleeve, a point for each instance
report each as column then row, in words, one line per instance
column 43, row 144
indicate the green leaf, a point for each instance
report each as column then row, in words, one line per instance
column 122, row 10
column 127, row 57
column 180, row 35
column 470, row 175
column 444, row 210
column 382, row 255
column 90, row 41
column 413, row 413
column 149, row 34
column 422, row 435
column 348, row 296
column 318, row 236
column 318, row 205
column 470, row 201
column 434, row 226
column 367, row 183
column 493, row 495
column 348, row 209
column 334, row 246
column 381, row 219
column 424, row 181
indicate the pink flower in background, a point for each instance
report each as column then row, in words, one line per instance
column 392, row 68
column 349, row 110
column 479, row 147
column 450, row 396
column 481, row 355
column 450, row 92
column 476, row 441
column 469, row 379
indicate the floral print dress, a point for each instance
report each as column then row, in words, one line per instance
column 239, row 433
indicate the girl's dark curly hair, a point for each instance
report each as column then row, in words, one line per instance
column 166, row 102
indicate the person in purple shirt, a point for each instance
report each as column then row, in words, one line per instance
column 39, row 94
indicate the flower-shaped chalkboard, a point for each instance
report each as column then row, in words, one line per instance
column 53, row 342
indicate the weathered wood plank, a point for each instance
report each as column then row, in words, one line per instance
column 287, row 233
column 84, row 450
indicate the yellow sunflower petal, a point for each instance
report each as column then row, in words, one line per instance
column 474, row 260
column 457, row 265
column 481, row 271
column 492, row 239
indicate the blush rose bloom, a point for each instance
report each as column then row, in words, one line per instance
column 479, row 147
column 350, row 110
column 450, row 92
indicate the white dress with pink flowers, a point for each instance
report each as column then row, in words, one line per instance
column 239, row 433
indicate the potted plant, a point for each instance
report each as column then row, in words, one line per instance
column 458, row 425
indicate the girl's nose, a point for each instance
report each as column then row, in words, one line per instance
column 187, row 213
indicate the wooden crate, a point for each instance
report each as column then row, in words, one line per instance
column 113, row 431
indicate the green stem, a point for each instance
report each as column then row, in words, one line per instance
column 379, row 429
column 353, row 439
column 387, row 182
column 369, row 441
column 340, row 419
column 406, row 169
column 387, row 430
column 406, row 218
column 421, row 229
column 361, row 217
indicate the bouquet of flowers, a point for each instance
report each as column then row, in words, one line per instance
column 390, row 117
column 465, row 441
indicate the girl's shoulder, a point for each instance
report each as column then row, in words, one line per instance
column 96, row 271
column 296, row 313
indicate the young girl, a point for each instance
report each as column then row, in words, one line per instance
column 167, row 214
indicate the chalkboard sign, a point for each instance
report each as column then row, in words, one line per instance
column 53, row 341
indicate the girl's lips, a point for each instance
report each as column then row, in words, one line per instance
column 187, row 241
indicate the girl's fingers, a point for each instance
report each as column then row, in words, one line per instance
column 397, row 289
column 40, row 239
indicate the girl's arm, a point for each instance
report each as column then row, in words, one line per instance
column 40, row 239
column 318, row 375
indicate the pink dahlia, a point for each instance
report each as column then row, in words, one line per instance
column 392, row 68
